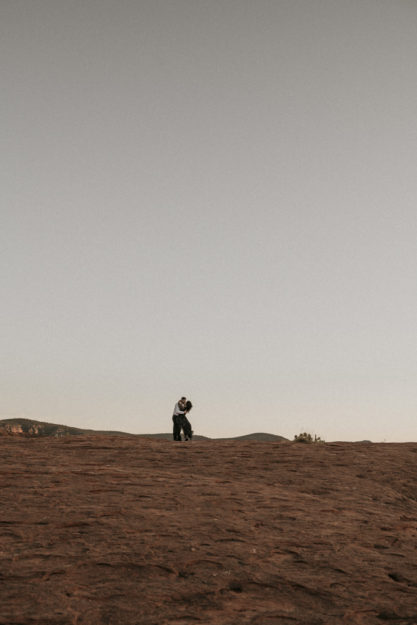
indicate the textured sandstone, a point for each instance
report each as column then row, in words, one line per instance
column 128, row 531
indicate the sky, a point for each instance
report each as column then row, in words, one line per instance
column 210, row 198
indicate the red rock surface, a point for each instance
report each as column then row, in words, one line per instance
column 126, row 531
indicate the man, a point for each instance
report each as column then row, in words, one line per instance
column 177, row 417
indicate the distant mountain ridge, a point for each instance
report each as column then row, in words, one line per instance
column 33, row 429
column 256, row 436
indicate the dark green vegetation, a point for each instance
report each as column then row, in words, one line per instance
column 306, row 437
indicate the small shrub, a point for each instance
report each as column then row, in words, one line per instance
column 305, row 437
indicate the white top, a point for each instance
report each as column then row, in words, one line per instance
column 177, row 409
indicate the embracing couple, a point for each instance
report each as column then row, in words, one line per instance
column 179, row 418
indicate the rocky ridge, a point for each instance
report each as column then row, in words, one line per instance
column 32, row 428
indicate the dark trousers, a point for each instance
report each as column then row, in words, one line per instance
column 176, row 419
column 186, row 428
column 181, row 423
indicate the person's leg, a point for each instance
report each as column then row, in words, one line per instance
column 188, row 432
column 176, row 429
column 181, row 421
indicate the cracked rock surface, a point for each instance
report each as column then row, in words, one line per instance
column 121, row 530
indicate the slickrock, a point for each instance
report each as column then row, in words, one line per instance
column 119, row 530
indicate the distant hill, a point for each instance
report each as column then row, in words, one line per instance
column 32, row 428
column 168, row 436
column 257, row 436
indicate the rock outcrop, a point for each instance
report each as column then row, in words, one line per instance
column 132, row 531
column 32, row 428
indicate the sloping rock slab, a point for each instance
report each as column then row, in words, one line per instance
column 133, row 531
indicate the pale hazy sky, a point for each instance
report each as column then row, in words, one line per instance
column 211, row 198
